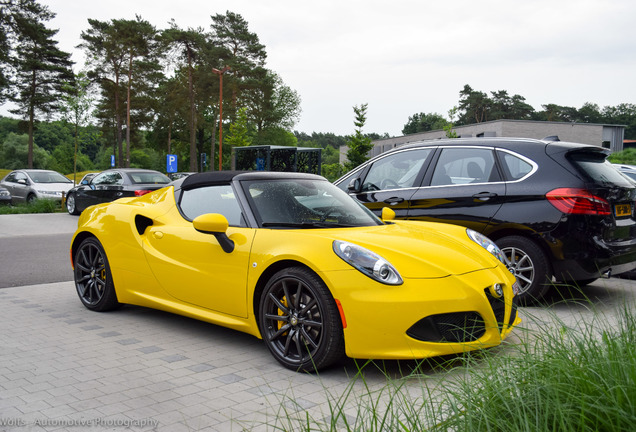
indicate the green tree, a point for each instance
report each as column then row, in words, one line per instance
column 105, row 61
column 14, row 153
column 359, row 144
column 239, row 135
column 243, row 52
column 16, row 19
column 76, row 110
column 138, row 39
column 424, row 122
column 42, row 69
column 185, row 49
column 474, row 106
column 450, row 133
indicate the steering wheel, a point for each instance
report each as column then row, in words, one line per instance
column 384, row 184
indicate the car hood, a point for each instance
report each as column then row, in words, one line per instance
column 419, row 249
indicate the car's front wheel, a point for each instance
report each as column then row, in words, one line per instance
column 299, row 320
column 529, row 264
column 93, row 279
column 71, row 207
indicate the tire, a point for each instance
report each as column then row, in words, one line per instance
column 30, row 199
column 300, row 322
column 530, row 265
column 70, row 205
column 93, row 279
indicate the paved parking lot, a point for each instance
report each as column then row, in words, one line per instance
column 140, row 369
column 63, row 367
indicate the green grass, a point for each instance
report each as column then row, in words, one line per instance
column 561, row 378
column 38, row 206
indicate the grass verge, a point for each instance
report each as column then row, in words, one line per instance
column 38, row 206
column 563, row 377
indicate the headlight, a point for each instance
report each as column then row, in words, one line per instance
column 367, row 262
column 487, row 244
column 5, row 193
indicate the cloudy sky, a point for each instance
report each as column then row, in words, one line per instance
column 408, row 56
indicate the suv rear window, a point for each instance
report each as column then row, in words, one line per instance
column 597, row 168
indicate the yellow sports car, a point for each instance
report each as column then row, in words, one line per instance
column 292, row 259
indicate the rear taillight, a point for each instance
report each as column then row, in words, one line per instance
column 141, row 192
column 578, row 201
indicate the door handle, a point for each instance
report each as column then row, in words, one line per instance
column 394, row 200
column 484, row 196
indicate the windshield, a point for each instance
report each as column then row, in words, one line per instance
column 303, row 203
column 48, row 177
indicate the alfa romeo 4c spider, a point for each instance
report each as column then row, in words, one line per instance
column 292, row 259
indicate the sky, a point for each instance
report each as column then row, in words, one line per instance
column 404, row 57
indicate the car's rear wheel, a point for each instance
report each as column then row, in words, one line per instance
column 70, row 205
column 93, row 279
column 529, row 264
column 299, row 320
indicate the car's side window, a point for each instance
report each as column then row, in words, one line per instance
column 514, row 166
column 20, row 176
column 463, row 165
column 211, row 199
column 397, row 171
column 11, row 178
column 108, row 178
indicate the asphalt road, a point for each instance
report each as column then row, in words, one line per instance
column 35, row 248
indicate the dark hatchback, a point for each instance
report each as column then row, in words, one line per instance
column 559, row 211
column 113, row 184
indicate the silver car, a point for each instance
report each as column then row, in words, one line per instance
column 30, row 184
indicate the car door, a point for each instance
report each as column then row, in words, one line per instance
column 97, row 190
column 191, row 265
column 391, row 181
column 463, row 186
column 20, row 187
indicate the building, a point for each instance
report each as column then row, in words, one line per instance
column 604, row 135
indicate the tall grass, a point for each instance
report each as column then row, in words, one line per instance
column 561, row 378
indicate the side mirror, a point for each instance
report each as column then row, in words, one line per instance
column 22, row 181
column 387, row 214
column 354, row 185
column 84, row 182
column 215, row 224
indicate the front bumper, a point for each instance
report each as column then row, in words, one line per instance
column 424, row 317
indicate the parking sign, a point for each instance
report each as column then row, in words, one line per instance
column 171, row 163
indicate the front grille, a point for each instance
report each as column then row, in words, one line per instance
column 449, row 327
column 460, row 326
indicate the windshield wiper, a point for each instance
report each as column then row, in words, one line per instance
column 305, row 225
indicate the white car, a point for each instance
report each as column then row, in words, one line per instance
column 30, row 184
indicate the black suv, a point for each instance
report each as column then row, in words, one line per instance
column 559, row 211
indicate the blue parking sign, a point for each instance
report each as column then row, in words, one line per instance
column 112, row 160
column 171, row 163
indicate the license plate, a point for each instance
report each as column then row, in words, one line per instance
column 623, row 210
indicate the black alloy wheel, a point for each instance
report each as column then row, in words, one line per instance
column 300, row 322
column 93, row 278
column 529, row 264
column 70, row 205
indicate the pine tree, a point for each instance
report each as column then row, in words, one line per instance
column 42, row 71
column 359, row 144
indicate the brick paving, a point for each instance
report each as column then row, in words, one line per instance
column 141, row 369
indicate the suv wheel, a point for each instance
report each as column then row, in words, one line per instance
column 529, row 264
